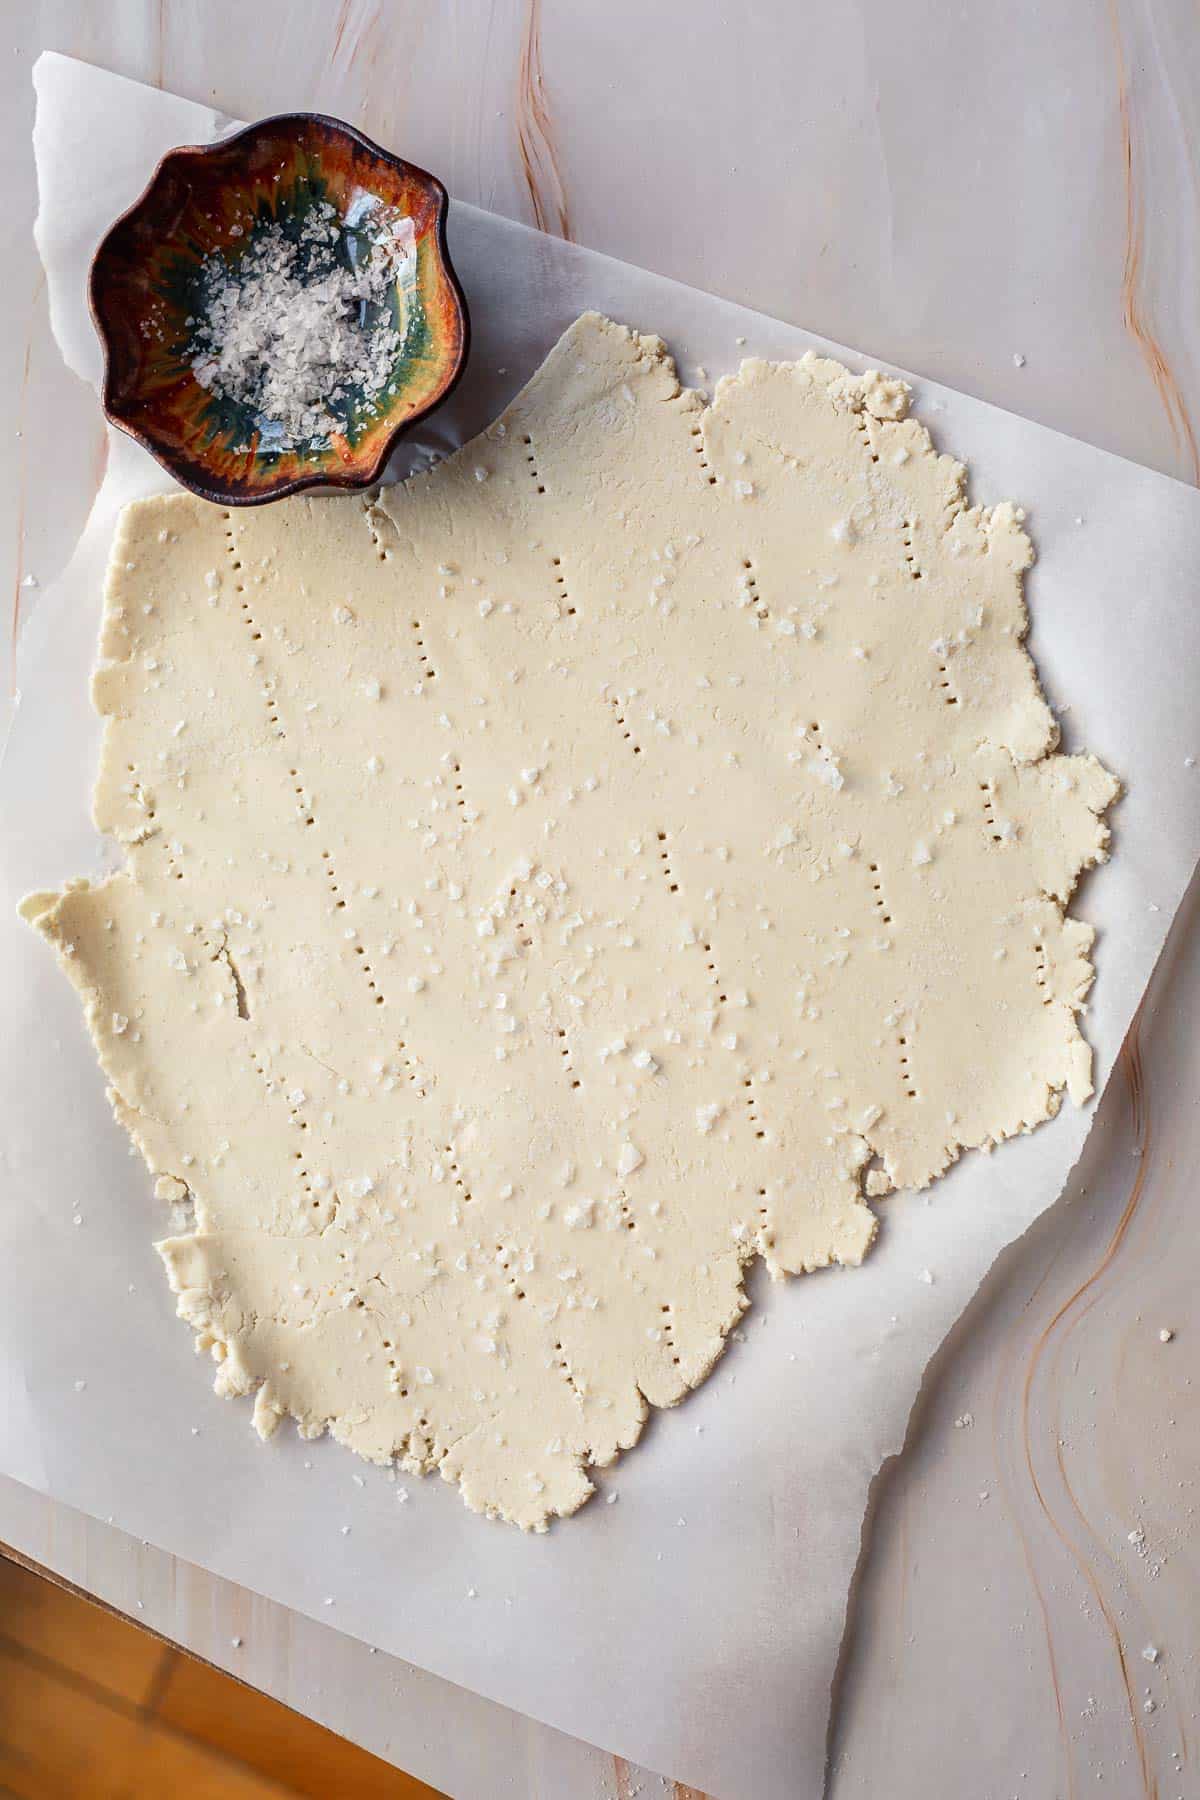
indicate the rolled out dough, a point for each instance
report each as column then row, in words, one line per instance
column 607, row 858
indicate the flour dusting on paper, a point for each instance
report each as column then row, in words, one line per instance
column 614, row 855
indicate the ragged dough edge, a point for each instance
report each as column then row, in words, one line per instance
column 47, row 912
column 202, row 1300
column 1000, row 527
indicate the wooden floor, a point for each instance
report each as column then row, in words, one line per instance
column 94, row 1708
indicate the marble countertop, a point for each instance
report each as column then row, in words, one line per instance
column 1009, row 203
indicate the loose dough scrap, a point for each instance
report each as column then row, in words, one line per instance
column 551, row 886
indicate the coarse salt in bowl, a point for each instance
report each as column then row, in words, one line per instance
column 277, row 308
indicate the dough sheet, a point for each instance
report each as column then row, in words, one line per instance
column 631, row 848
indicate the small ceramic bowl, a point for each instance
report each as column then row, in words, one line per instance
column 206, row 209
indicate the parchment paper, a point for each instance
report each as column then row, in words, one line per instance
column 694, row 1626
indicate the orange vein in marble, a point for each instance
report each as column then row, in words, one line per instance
column 340, row 30
column 1002, row 1378
column 1133, row 313
column 535, row 133
column 1132, row 1063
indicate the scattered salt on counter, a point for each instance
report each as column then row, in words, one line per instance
column 297, row 328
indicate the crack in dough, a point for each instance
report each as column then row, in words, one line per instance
column 601, row 861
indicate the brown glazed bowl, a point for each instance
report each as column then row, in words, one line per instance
column 148, row 281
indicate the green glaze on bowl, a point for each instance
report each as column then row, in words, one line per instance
column 147, row 290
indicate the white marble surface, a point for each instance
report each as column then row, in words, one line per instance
column 950, row 189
